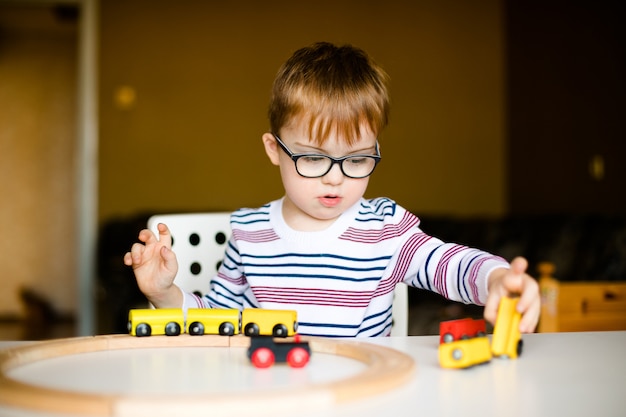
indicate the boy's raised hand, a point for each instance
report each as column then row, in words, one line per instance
column 514, row 281
column 155, row 266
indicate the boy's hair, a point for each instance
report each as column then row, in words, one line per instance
column 330, row 87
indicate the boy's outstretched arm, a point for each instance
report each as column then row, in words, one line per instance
column 515, row 281
column 155, row 267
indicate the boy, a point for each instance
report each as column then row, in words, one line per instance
column 323, row 249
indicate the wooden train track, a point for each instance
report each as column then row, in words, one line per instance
column 385, row 369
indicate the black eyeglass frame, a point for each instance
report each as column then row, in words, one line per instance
column 295, row 156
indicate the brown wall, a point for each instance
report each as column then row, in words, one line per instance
column 202, row 72
column 37, row 156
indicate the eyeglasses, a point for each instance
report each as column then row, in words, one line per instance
column 310, row 165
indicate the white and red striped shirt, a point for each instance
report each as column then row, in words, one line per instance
column 341, row 280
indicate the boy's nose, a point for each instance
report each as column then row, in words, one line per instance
column 334, row 176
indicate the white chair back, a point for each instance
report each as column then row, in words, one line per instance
column 199, row 241
column 400, row 310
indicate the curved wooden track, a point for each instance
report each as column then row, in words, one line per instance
column 386, row 369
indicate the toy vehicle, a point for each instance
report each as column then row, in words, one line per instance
column 261, row 322
column 465, row 353
column 224, row 321
column 161, row 321
column 463, row 343
column 452, row 330
column 507, row 340
column 264, row 351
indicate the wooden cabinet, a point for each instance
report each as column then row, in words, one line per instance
column 580, row 306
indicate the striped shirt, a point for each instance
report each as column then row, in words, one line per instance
column 341, row 280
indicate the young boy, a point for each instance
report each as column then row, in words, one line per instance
column 323, row 249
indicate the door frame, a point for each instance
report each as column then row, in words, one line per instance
column 87, row 166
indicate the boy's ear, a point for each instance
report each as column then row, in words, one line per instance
column 271, row 147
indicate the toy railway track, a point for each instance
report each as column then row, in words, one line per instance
column 385, row 369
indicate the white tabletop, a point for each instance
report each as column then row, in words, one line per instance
column 568, row 374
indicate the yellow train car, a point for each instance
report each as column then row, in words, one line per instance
column 507, row 339
column 465, row 353
column 152, row 322
column 224, row 322
column 261, row 322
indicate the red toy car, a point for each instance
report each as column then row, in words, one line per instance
column 264, row 351
column 452, row 330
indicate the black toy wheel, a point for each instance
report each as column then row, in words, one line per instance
column 143, row 329
column 227, row 329
column 196, row 328
column 251, row 329
column 172, row 329
column 280, row 330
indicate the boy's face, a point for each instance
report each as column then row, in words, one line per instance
column 314, row 203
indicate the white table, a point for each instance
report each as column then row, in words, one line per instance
column 558, row 374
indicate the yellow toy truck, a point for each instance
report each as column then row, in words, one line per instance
column 507, row 339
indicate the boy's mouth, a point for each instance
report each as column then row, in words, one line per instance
column 330, row 200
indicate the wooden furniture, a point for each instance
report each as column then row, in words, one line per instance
column 558, row 374
column 580, row 306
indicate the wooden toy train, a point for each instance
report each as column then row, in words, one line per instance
column 221, row 321
column 262, row 325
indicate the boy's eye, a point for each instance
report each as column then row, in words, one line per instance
column 356, row 161
column 314, row 159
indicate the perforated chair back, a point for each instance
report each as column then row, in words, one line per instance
column 199, row 241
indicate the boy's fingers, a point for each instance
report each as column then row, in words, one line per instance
column 530, row 318
column 136, row 250
column 491, row 307
column 169, row 259
column 136, row 255
column 165, row 236
column 528, row 295
column 513, row 281
column 519, row 265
